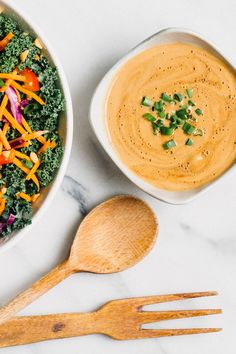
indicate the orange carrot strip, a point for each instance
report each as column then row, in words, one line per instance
column 12, row 76
column 3, row 105
column 2, row 206
column 33, row 170
column 4, row 42
column 5, row 128
column 4, row 140
column 28, row 93
column 34, row 135
column 26, row 125
column 19, row 164
column 44, row 147
column 22, row 156
column 13, row 122
column 24, row 196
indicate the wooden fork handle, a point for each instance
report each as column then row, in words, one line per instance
column 31, row 329
column 39, row 288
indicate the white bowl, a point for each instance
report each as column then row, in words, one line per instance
column 97, row 112
column 65, row 125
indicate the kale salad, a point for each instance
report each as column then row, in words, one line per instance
column 30, row 105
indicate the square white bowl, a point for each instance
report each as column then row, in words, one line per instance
column 98, row 121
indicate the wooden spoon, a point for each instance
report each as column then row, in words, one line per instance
column 112, row 237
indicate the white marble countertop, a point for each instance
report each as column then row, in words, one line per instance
column 196, row 248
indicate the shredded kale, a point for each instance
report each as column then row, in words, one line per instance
column 39, row 117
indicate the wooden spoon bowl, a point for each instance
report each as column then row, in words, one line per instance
column 112, row 237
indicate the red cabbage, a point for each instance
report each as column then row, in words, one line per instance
column 14, row 104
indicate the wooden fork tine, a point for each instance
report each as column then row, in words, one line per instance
column 149, row 300
column 155, row 333
column 156, row 316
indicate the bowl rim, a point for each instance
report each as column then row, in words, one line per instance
column 55, row 184
column 107, row 79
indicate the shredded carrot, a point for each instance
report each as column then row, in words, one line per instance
column 26, row 125
column 41, row 139
column 4, row 140
column 24, row 196
column 19, row 164
column 8, row 82
column 22, row 156
column 3, row 105
column 2, row 206
column 53, row 145
column 33, row 170
column 13, row 122
column 4, row 42
column 28, row 93
column 12, row 76
column 34, row 135
column 5, row 128
column 1, row 146
column 35, row 197
column 44, row 147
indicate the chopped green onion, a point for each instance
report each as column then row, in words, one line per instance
column 188, row 128
column 189, row 93
column 191, row 103
column 159, row 122
column 189, row 142
column 198, row 132
column 166, row 130
column 161, row 114
column 166, row 98
column 178, row 97
column 158, row 106
column 169, row 144
column 149, row 117
column 184, row 106
column 154, row 128
column 146, row 102
column 198, row 111
column 2, row 83
column 28, row 163
column 182, row 113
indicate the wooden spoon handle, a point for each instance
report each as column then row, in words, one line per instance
column 39, row 288
column 31, row 329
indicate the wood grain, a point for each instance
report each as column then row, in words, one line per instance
column 112, row 237
column 119, row 319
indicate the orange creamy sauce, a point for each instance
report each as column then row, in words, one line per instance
column 174, row 68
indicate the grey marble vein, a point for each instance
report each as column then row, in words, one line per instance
column 78, row 192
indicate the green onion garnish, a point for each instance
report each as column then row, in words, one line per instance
column 198, row 111
column 191, row 103
column 189, row 142
column 166, row 98
column 146, row 102
column 160, row 122
column 149, row 117
column 154, row 128
column 178, row 97
column 2, row 83
column 28, row 163
column 189, row 93
column 161, row 114
column 182, row 113
column 169, row 144
column 166, row 130
column 158, row 106
column 188, row 128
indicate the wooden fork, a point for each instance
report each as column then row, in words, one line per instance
column 119, row 319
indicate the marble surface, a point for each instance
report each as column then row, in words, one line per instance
column 196, row 248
